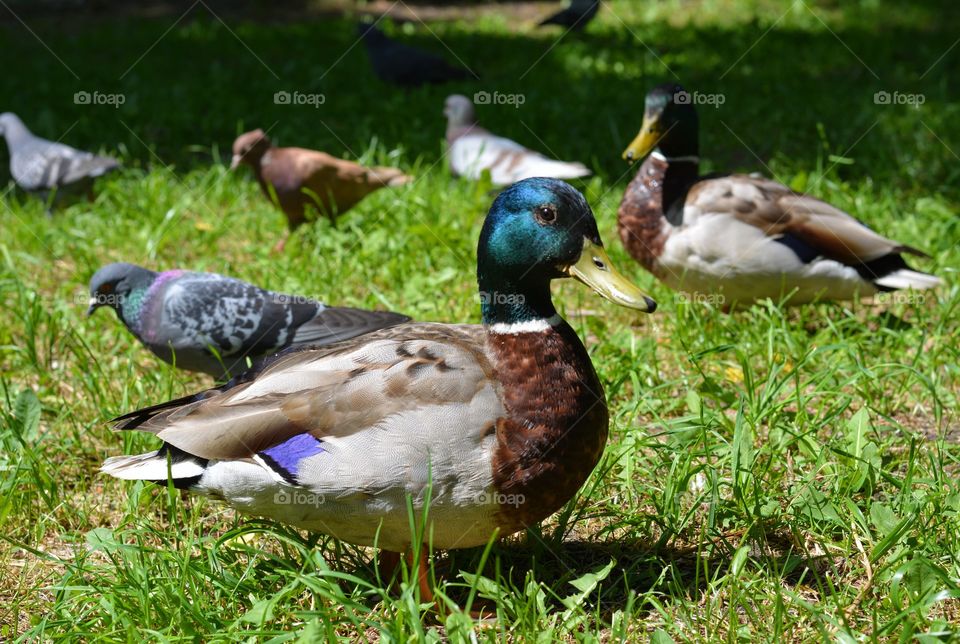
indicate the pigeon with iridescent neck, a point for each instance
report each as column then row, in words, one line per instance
column 212, row 323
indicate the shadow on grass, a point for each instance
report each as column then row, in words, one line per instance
column 792, row 95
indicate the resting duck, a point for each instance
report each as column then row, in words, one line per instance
column 739, row 237
column 507, row 419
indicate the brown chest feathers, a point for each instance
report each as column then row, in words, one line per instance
column 556, row 424
column 640, row 221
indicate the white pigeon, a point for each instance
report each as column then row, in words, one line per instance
column 472, row 149
column 39, row 165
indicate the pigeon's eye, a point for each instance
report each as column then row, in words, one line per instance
column 546, row 214
column 106, row 289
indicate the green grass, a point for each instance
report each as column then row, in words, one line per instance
column 771, row 474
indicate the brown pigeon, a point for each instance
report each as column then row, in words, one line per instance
column 297, row 179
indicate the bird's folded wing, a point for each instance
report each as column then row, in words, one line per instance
column 331, row 392
column 333, row 324
column 207, row 309
column 778, row 211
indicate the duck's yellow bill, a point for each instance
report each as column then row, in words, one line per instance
column 595, row 270
column 646, row 140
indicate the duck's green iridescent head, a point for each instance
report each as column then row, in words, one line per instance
column 539, row 230
column 670, row 124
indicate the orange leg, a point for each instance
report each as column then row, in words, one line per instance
column 423, row 576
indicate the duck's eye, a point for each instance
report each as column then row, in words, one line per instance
column 546, row 214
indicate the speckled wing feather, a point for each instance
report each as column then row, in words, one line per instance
column 429, row 371
column 229, row 315
column 778, row 211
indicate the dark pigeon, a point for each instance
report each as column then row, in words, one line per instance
column 406, row 66
column 576, row 16
column 212, row 323
column 40, row 166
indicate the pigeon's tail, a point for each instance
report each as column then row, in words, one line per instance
column 334, row 324
column 390, row 177
column 167, row 463
column 89, row 168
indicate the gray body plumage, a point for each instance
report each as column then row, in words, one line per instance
column 212, row 323
column 39, row 165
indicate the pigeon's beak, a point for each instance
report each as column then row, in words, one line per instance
column 237, row 159
column 94, row 305
column 595, row 270
column 646, row 140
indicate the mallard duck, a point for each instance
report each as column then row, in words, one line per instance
column 742, row 238
column 213, row 323
column 499, row 424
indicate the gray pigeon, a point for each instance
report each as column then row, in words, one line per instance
column 39, row 165
column 212, row 323
column 576, row 16
column 406, row 66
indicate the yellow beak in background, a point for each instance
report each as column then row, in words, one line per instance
column 595, row 270
column 645, row 141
